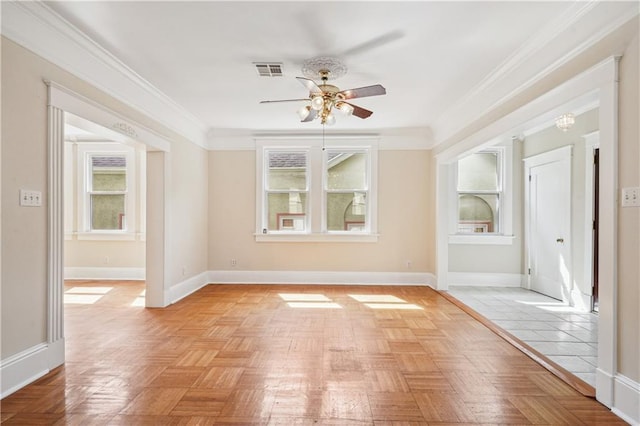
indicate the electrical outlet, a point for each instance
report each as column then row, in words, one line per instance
column 30, row 198
column 234, row 263
column 630, row 197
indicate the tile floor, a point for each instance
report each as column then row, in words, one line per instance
column 565, row 336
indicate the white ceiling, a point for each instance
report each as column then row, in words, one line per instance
column 437, row 60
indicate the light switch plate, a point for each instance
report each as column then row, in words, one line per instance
column 30, row 198
column 630, row 197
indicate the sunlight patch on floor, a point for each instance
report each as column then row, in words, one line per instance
column 376, row 298
column 88, row 290
column 314, row 305
column 81, row 299
column 305, row 297
column 139, row 302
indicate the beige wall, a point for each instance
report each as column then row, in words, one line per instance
column 629, row 218
column 104, row 254
column 24, row 165
column 404, row 214
column 188, row 214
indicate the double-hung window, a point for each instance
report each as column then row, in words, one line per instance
column 106, row 190
column 480, row 192
column 311, row 191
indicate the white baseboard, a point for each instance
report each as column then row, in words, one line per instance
column 323, row 277
column 98, row 273
column 604, row 387
column 484, row 279
column 581, row 301
column 186, row 287
column 627, row 399
column 25, row 367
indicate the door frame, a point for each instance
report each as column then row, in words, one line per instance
column 564, row 154
column 61, row 100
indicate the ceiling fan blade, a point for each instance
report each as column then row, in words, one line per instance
column 374, row 43
column 311, row 86
column 311, row 116
column 361, row 92
column 359, row 111
column 284, row 100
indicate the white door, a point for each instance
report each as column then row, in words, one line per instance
column 549, row 228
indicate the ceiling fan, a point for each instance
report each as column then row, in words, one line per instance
column 324, row 97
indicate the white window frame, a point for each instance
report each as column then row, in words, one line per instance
column 316, row 225
column 504, row 235
column 85, row 151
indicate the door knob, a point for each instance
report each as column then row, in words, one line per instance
column 560, row 240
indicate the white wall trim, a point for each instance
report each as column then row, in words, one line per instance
column 544, row 53
column 627, row 399
column 114, row 126
column 323, row 277
column 103, row 273
column 186, row 287
column 485, row 279
column 36, row 27
column 27, row 366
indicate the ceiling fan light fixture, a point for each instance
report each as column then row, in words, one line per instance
column 304, row 112
column 317, row 102
column 330, row 119
column 345, row 108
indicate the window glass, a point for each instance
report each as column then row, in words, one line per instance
column 479, row 191
column 107, row 212
column 108, row 173
column 287, row 170
column 478, row 213
column 286, row 190
column 346, row 170
column 478, row 172
column 346, row 211
column 286, row 211
column 346, row 190
column 107, row 196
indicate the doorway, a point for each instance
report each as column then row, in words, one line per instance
column 596, row 213
column 548, row 223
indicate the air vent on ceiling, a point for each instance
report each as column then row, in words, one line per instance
column 273, row 69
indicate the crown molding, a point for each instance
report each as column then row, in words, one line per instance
column 563, row 39
column 39, row 29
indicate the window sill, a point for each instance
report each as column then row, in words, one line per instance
column 106, row 236
column 317, row 238
column 505, row 240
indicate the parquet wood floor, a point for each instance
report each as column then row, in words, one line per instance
column 291, row 355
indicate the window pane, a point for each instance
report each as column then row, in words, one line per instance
column 478, row 213
column 287, row 170
column 287, row 211
column 346, row 211
column 346, row 170
column 108, row 173
column 478, row 172
column 107, row 212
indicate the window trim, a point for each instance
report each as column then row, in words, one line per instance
column 85, row 151
column 316, row 196
column 505, row 206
